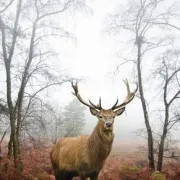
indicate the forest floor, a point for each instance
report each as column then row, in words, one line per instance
column 126, row 165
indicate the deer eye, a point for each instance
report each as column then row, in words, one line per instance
column 114, row 116
column 101, row 117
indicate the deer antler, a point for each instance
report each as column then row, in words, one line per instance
column 129, row 97
column 98, row 106
column 76, row 93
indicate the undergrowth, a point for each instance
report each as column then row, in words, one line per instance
column 37, row 166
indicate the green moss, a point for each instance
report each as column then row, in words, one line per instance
column 158, row 176
column 132, row 168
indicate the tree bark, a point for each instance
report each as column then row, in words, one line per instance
column 4, row 134
column 163, row 137
column 10, row 147
column 161, row 153
column 13, row 144
column 146, row 117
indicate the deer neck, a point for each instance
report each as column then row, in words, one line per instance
column 105, row 136
column 100, row 143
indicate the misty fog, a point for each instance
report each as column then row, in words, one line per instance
column 59, row 56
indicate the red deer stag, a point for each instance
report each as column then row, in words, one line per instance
column 85, row 156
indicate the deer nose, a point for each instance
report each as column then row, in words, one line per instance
column 108, row 124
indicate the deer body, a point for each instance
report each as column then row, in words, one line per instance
column 85, row 156
column 88, row 155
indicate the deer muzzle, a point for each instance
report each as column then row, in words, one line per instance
column 108, row 124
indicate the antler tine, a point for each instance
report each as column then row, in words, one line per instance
column 76, row 93
column 75, row 87
column 98, row 106
column 100, row 103
column 129, row 97
column 115, row 104
column 135, row 91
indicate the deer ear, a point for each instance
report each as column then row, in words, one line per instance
column 119, row 111
column 94, row 112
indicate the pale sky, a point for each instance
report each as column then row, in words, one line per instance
column 93, row 57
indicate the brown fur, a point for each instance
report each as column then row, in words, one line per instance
column 84, row 155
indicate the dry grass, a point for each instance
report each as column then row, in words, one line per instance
column 119, row 166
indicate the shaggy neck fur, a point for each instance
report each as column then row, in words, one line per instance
column 99, row 145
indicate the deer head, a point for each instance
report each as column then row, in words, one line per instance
column 106, row 116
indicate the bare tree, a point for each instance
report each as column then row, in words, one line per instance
column 3, row 108
column 57, row 123
column 3, row 121
column 141, row 19
column 168, row 72
column 169, row 19
column 58, row 128
column 5, row 5
column 1, row 140
column 36, row 123
column 135, row 19
column 24, row 54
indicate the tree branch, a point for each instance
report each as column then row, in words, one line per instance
column 14, row 34
column 55, row 12
column 1, row 11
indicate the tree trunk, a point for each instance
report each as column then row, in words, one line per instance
column 146, row 117
column 14, row 142
column 0, row 152
column 20, row 166
column 10, row 147
column 17, row 154
column 12, row 114
column 163, row 137
column 15, row 145
column 161, row 153
column 1, row 144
